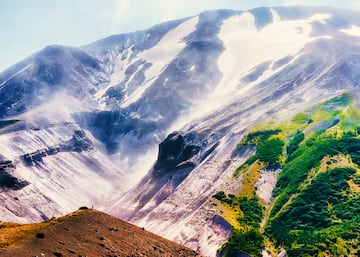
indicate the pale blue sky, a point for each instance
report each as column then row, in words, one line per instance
column 27, row 26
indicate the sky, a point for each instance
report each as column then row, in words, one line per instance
column 27, row 26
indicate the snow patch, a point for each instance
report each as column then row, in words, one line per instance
column 322, row 17
column 246, row 47
column 117, row 75
column 353, row 31
column 275, row 16
column 14, row 75
column 161, row 55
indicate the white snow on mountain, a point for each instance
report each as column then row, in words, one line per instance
column 161, row 55
column 247, row 47
column 209, row 77
column 352, row 31
column 117, row 76
column 63, row 181
column 14, row 75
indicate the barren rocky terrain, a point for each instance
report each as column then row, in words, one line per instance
column 85, row 233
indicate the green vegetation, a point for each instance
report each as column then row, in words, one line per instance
column 302, row 118
column 322, row 208
column 269, row 149
column 316, row 210
column 269, row 152
column 221, row 196
column 320, row 216
column 309, row 157
column 245, row 236
column 253, row 212
column 247, row 239
column 258, row 136
column 248, row 242
column 294, row 143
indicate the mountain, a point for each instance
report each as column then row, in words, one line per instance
column 310, row 164
column 169, row 128
column 85, row 233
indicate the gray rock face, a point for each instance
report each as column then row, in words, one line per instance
column 78, row 143
column 174, row 153
column 7, row 181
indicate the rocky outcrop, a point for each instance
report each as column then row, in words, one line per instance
column 78, row 143
column 175, row 152
column 182, row 151
column 179, row 154
column 7, row 181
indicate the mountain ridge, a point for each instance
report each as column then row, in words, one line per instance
column 87, row 233
column 211, row 78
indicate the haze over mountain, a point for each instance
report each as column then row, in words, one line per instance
column 145, row 125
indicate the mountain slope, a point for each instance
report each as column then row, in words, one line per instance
column 93, row 94
column 40, row 76
column 151, row 120
column 313, row 211
column 85, row 233
column 179, row 200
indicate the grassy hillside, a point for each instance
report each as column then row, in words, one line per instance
column 316, row 206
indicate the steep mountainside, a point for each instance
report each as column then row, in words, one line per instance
column 85, row 233
column 314, row 209
column 146, row 125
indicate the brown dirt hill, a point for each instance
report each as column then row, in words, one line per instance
column 85, row 233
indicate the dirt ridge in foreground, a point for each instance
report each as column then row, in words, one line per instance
column 85, row 233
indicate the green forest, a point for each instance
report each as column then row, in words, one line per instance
column 316, row 205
